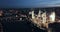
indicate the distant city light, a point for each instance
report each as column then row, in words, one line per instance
column 16, row 15
column 30, row 12
column 20, row 18
column 1, row 12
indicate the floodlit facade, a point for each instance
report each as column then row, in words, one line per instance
column 52, row 17
column 41, row 19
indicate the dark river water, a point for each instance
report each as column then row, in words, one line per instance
column 26, row 26
column 19, row 26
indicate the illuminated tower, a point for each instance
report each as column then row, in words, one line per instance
column 33, row 15
column 39, row 14
column 44, row 17
column 52, row 17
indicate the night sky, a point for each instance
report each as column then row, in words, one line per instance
column 28, row 3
